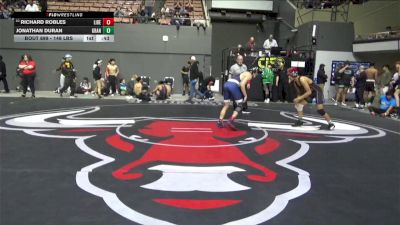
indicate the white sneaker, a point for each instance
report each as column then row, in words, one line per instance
column 344, row 104
column 267, row 100
column 112, row 95
column 335, row 103
column 357, row 105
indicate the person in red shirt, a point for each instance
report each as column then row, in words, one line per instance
column 27, row 67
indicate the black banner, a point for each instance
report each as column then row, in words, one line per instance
column 58, row 30
column 57, row 22
column 63, row 15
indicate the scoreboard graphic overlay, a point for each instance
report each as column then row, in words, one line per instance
column 64, row 27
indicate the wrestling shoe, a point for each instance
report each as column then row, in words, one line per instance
column 220, row 124
column 230, row 124
column 298, row 123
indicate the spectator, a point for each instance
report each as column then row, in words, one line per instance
column 360, row 82
column 185, row 20
column 199, row 23
column 68, row 70
column 270, row 43
column 123, row 87
column 268, row 81
column 395, row 84
column 239, row 51
column 149, row 4
column 283, row 83
column 206, row 87
column 194, row 76
column 387, row 104
column 185, row 78
column 165, row 10
column 161, row 91
column 322, row 78
column 2, row 11
column 183, row 11
column 31, row 7
column 142, row 13
column 139, row 91
column 97, row 77
column 344, row 83
column 112, row 72
column 163, row 20
column 132, row 12
column 176, row 20
column 372, row 75
column 21, row 4
column 8, row 12
column 118, row 12
column 251, row 45
column 27, row 67
column 189, row 6
column 383, row 80
column 3, row 75
column 85, row 87
column 177, row 6
column 130, row 87
column 62, row 77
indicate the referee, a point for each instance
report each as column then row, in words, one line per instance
column 237, row 68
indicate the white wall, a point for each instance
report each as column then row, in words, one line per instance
column 326, row 57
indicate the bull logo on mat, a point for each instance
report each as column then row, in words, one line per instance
column 187, row 170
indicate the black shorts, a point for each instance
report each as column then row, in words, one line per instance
column 185, row 79
column 318, row 95
column 370, row 86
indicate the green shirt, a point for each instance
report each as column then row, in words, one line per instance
column 267, row 76
column 384, row 79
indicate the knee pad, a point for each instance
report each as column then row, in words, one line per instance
column 299, row 107
column 245, row 107
column 321, row 112
column 239, row 107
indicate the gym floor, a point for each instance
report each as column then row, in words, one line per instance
column 113, row 161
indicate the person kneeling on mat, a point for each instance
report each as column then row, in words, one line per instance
column 305, row 88
column 235, row 90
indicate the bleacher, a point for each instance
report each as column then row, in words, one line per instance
column 198, row 12
column 92, row 5
column 111, row 5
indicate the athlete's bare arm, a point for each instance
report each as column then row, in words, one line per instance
column 343, row 69
column 245, row 77
column 158, row 88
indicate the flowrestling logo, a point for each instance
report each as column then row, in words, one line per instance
column 186, row 170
